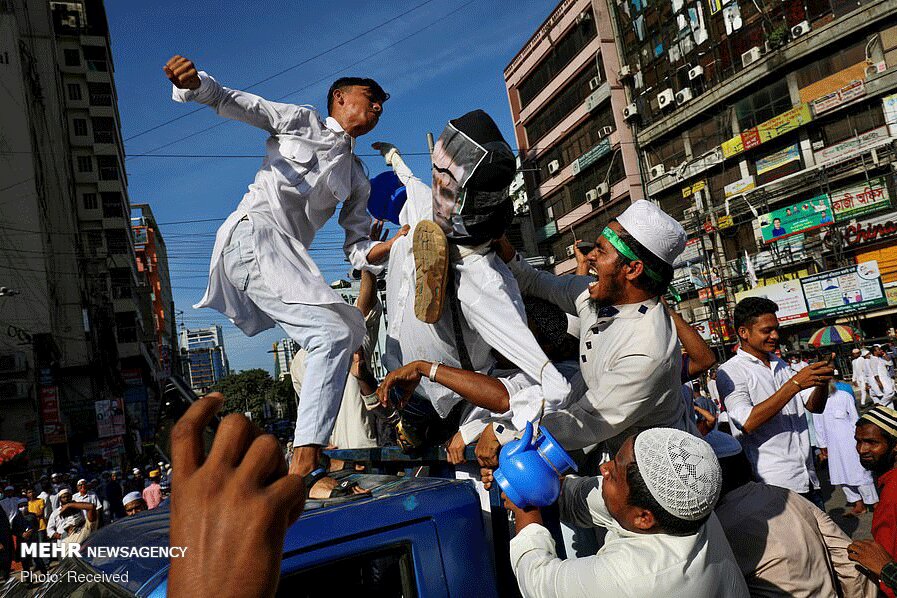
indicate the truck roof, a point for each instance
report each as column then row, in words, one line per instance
column 393, row 501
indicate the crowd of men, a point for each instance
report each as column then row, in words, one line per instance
column 66, row 508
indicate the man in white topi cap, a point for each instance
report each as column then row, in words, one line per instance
column 656, row 499
column 629, row 352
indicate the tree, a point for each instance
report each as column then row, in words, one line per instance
column 245, row 391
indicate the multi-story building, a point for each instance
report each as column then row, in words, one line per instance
column 348, row 290
column 578, row 160
column 284, row 350
column 65, row 243
column 767, row 129
column 202, row 350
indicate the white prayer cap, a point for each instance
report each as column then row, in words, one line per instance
column 855, row 350
column 130, row 497
column 655, row 229
column 65, row 490
column 865, row 352
column 723, row 445
column 81, row 481
column 680, row 471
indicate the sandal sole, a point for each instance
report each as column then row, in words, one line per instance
column 430, row 249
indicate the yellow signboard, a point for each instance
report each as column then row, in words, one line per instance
column 732, row 147
column 785, row 122
column 688, row 191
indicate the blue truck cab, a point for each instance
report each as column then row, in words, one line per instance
column 412, row 537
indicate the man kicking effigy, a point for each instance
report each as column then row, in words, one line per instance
column 261, row 271
column 472, row 168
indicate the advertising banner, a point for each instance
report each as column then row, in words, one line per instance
column 848, row 93
column 797, row 218
column 844, row 290
column 784, row 123
column 591, row 156
column 863, row 198
column 778, row 164
column 787, row 295
column 739, row 186
column 692, row 253
column 53, row 428
column 870, row 230
column 889, row 104
column 852, row 146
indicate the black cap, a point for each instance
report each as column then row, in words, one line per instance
column 498, row 168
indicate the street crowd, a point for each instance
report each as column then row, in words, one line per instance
column 67, row 507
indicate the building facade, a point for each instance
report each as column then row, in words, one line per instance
column 204, row 357
column 76, row 339
column 767, row 129
column 284, row 350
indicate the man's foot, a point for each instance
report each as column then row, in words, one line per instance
column 431, row 267
column 858, row 509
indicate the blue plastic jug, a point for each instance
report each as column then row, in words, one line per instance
column 528, row 471
column 388, row 195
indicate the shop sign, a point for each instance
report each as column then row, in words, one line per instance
column 783, row 123
column 778, row 159
column 871, row 230
column 690, row 190
column 796, row 218
column 739, row 186
column 891, row 293
column 853, row 146
column 864, row 198
column 845, row 290
column 714, row 331
column 732, row 147
column 787, row 295
column 693, row 252
column 890, row 109
column 591, row 156
column 53, row 428
column 717, row 292
column 848, row 93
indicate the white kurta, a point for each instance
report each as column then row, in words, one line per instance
column 308, row 170
column 629, row 564
column 490, row 303
column 836, row 434
column 631, row 363
column 879, row 367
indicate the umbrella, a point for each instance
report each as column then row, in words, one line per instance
column 833, row 335
column 9, row 450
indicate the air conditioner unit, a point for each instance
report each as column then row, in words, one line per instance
column 800, row 29
column 656, row 171
column 684, row 95
column 625, row 71
column 605, row 131
column 12, row 363
column 591, row 195
column 694, row 73
column 583, row 16
column 602, row 189
column 553, row 166
column 594, row 83
column 665, row 98
column 751, row 56
column 14, row 390
column 570, row 250
column 549, row 212
column 874, row 69
column 630, row 111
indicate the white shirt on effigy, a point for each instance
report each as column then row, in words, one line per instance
column 309, row 168
column 490, row 304
column 630, row 359
column 779, row 450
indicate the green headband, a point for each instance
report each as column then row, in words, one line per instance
column 626, row 251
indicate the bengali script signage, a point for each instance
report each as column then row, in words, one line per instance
column 787, row 295
column 51, row 421
column 889, row 104
column 591, row 156
column 848, row 93
column 740, row 186
column 767, row 131
column 773, row 166
column 844, row 290
column 853, row 146
column 797, row 218
column 864, row 198
column 690, row 190
column 714, row 331
column 693, row 252
column 871, row 230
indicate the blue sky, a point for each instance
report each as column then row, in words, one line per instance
column 442, row 59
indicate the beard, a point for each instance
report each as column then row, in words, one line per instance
column 879, row 466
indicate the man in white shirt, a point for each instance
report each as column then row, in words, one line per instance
column 766, row 401
column 262, row 272
column 656, row 499
column 881, row 376
column 859, row 374
column 630, row 355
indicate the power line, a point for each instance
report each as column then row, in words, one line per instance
column 290, row 68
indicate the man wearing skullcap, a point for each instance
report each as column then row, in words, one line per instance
column 448, row 253
column 133, row 503
column 629, row 354
column 152, row 494
column 656, row 499
column 774, row 534
column 859, row 374
column 767, row 401
column 84, row 494
column 876, row 438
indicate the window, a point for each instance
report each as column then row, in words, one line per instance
column 388, row 573
column 80, row 126
column 762, row 105
column 85, row 164
column 103, row 129
column 95, row 57
column 708, row 134
column 108, row 167
column 74, row 91
column 670, row 152
column 100, row 94
column 834, row 63
column 112, row 207
column 126, row 327
column 117, row 241
column 90, row 201
column 562, row 53
column 565, row 102
column 847, row 124
column 121, row 283
column 576, row 143
column 71, row 57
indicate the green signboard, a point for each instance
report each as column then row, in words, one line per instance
column 798, row 218
column 845, row 290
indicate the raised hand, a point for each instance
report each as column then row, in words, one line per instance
column 181, row 72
